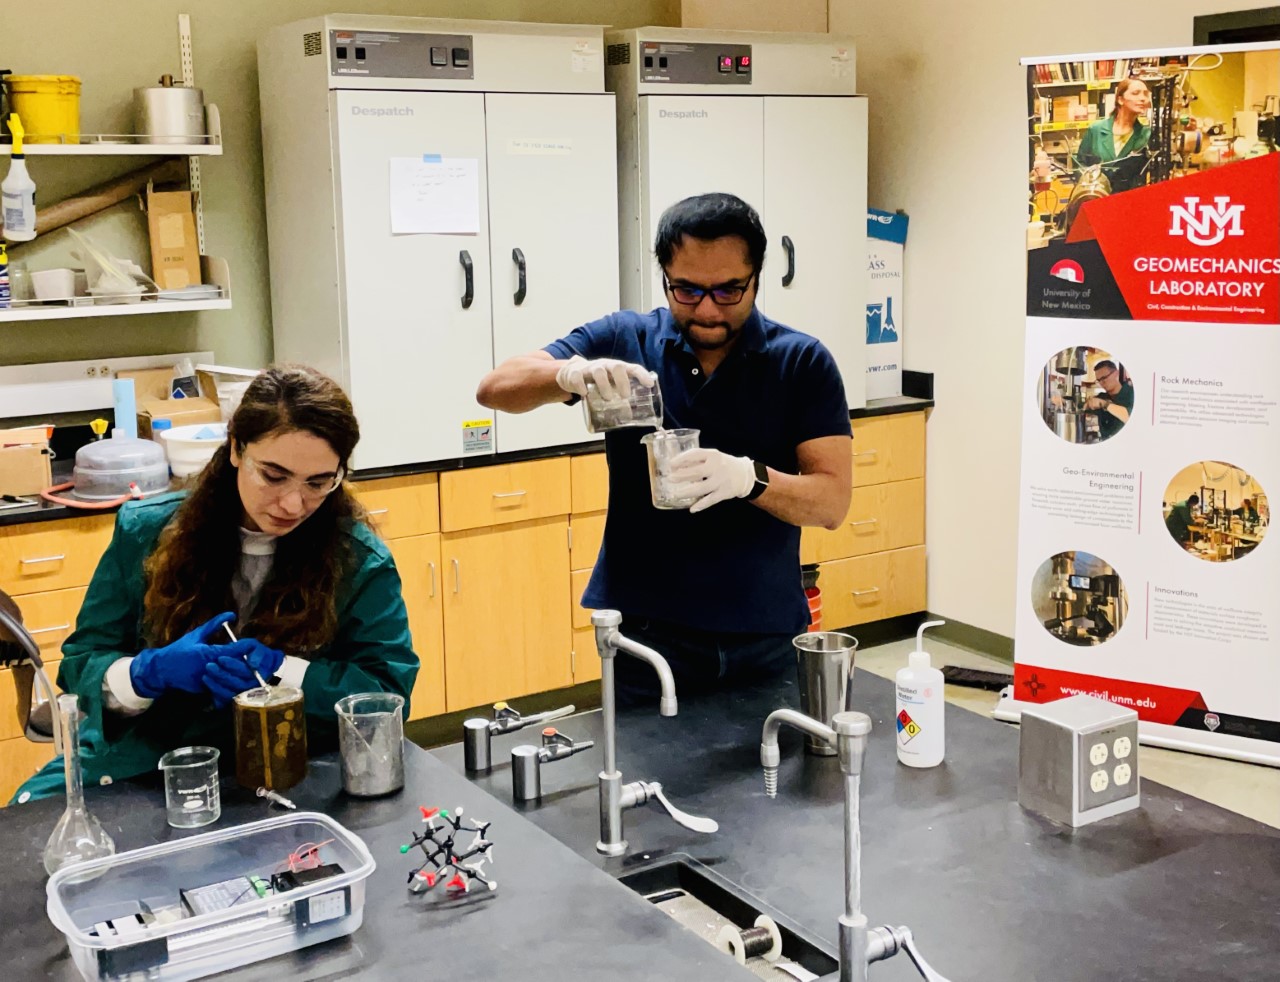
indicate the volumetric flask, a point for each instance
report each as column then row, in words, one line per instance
column 663, row 447
column 191, row 790
column 271, row 738
column 641, row 405
column 371, row 740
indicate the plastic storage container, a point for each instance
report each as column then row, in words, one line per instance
column 94, row 904
column 49, row 106
column 191, row 447
column 105, row 468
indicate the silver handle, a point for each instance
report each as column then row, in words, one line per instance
column 377, row 511
column 457, row 576
column 865, row 453
column 47, row 630
column 42, row 559
column 925, row 969
column 509, row 494
column 691, row 822
column 860, row 593
column 431, row 567
column 865, row 521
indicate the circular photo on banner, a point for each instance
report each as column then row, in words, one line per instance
column 1079, row 598
column 1216, row 511
column 1085, row 395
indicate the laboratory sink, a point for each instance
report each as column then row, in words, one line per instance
column 704, row 902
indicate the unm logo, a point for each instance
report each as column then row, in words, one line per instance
column 1206, row 225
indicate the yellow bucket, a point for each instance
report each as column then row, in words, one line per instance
column 49, row 106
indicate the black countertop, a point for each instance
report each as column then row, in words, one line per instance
column 553, row 916
column 47, row 511
column 1177, row 890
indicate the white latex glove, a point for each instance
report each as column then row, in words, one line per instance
column 711, row 476
column 609, row 375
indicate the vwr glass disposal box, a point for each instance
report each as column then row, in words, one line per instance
column 140, row 911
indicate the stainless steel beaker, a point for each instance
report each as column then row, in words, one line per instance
column 371, row 742
column 824, row 660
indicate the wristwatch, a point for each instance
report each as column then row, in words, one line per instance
column 762, row 481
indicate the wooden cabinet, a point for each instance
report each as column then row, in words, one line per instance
column 589, row 480
column 506, row 611
column 881, row 517
column 504, row 493
column 52, row 555
column 418, row 560
column 586, row 532
column 888, row 448
column 402, row 506
column 871, row 588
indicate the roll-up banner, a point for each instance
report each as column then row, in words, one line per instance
column 1148, row 565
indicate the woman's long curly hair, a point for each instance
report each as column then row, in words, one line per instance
column 189, row 574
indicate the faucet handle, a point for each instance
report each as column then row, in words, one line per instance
column 653, row 790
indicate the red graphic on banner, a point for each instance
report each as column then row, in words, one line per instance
column 1153, row 703
column 1199, row 248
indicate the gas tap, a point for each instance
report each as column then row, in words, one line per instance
column 478, row 732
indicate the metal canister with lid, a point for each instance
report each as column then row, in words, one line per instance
column 169, row 112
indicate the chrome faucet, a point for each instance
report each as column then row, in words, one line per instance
column 477, row 732
column 616, row 797
column 847, row 734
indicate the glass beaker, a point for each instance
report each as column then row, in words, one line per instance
column 371, row 741
column 192, row 793
column 640, row 406
column 271, row 738
column 824, row 661
column 78, row 836
column 664, row 446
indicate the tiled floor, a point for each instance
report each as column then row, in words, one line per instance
column 1249, row 789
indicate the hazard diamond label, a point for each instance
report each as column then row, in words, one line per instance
column 908, row 728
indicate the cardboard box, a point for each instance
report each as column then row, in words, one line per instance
column 149, row 383
column 179, row 412
column 175, row 250
column 25, row 460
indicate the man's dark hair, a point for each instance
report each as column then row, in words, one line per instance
column 1105, row 364
column 707, row 217
column 1193, row 499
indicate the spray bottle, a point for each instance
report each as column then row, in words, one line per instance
column 921, row 708
column 18, row 191
column 5, row 295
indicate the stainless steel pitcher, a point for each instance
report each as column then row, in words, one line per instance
column 824, row 660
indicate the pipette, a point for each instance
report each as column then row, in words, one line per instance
column 256, row 674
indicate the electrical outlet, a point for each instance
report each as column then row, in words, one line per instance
column 1099, row 784
column 1122, row 774
column 1122, row 748
column 1098, row 754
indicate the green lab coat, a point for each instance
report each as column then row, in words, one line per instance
column 372, row 652
column 1109, row 425
column 1179, row 522
column 1099, row 147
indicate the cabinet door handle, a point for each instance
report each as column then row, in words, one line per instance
column 790, row 248
column 509, row 494
column 457, row 576
column 468, row 269
column 517, row 256
column 377, row 511
column 865, row 521
column 42, row 559
column 47, row 630
column 431, row 568
column 866, row 453
column 863, row 593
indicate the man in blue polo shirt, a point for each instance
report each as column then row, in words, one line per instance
column 716, row 589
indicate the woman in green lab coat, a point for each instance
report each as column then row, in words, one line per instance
column 269, row 539
column 1119, row 135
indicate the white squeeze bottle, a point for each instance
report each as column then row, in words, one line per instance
column 920, row 707
column 18, row 191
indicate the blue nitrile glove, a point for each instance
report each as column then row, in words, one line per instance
column 179, row 665
column 231, row 673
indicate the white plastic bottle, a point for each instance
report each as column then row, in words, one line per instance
column 18, row 191
column 921, row 708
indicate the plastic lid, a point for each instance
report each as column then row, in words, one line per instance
column 161, row 424
column 119, row 453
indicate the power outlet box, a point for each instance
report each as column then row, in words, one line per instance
column 1078, row 760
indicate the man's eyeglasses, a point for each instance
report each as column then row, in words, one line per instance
column 1102, row 378
column 268, row 477
column 724, row 295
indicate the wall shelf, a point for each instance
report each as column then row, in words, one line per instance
column 128, row 144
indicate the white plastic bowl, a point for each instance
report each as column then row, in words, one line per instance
column 187, row 452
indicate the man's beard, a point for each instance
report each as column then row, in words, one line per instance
column 730, row 333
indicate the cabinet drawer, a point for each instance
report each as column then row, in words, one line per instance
column 402, row 506
column 19, row 760
column 586, row 660
column 586, row 534
column 422, row 586
column 52, row 555
column 871, row 588
column 577, row 587
column 590, row 480
column 504, row 493
column 51, row 617
column 881, row 517
column 888, row 448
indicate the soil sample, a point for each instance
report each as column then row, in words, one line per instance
column 271, row 738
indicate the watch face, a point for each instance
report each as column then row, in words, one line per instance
column 762, row 473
